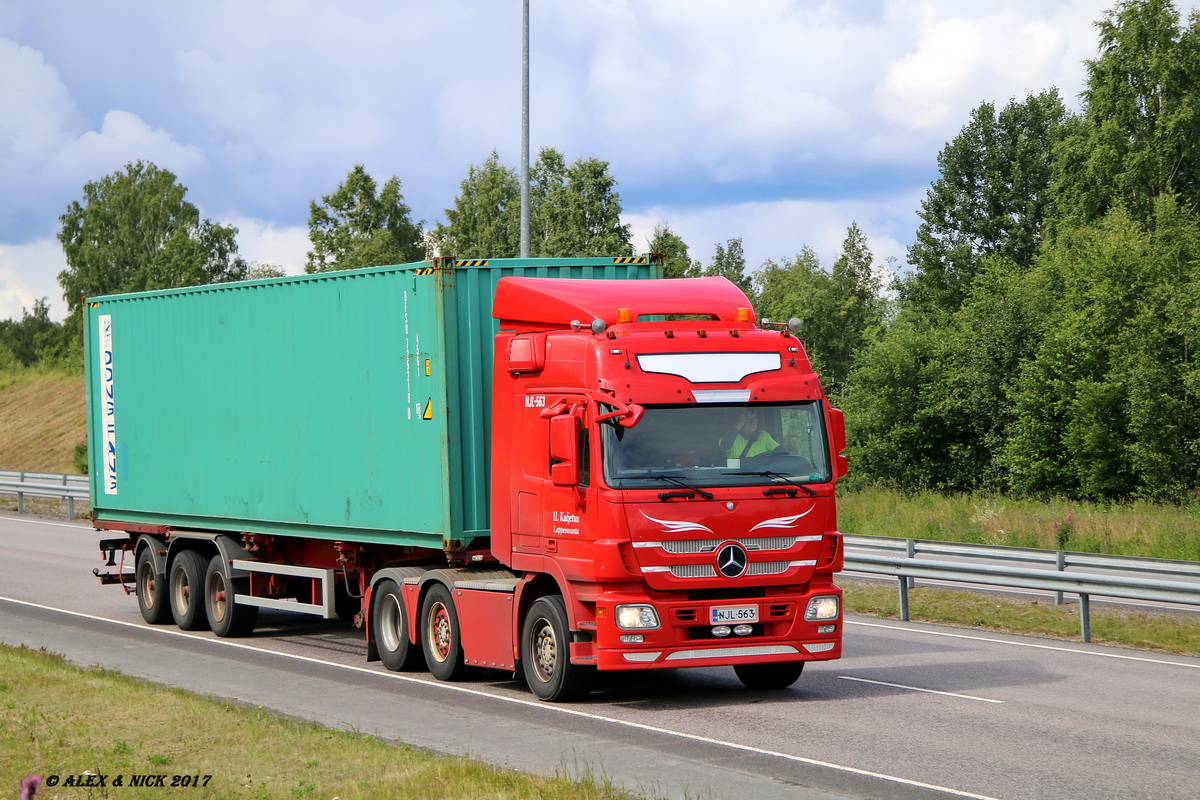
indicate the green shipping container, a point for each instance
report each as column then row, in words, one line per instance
column 351, row 405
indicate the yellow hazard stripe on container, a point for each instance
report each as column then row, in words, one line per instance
column 425, row 271
column 477, row 263
column 633, row 260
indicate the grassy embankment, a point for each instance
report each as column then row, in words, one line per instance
column 42, row 418
column 57, row 719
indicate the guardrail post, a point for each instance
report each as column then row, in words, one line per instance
column 1085, row 617
column 71, row 508
column 20, row 502
column 910, row 548
column 1060, row 563
column 904, row 598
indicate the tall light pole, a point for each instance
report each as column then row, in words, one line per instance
column 525, row 131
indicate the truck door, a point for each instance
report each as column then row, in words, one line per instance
column 556, row 462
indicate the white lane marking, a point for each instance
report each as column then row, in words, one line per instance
column 519, row 701
column 59, row 524
column 918, row 689
column 1057, row 648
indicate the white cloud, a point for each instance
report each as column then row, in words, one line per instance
column 27, row 274
column 46, row 152
column 123, row 138
column 37, row 111
column 285, row 247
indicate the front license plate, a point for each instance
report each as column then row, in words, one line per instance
column 727, row 615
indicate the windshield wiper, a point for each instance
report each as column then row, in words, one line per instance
column 779, row 476
column 672, row 479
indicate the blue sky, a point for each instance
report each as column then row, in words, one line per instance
column 779, row 122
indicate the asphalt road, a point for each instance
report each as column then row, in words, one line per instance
column 910, row 711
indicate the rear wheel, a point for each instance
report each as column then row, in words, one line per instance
column 769, row 676
column 546, row 653
column 389, row 623
column 151, row 590
column 187, row 591
column 226, row 616
column 443, row 645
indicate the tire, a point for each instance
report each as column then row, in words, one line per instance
column 187, row 591
column 227, row 618
column 151, row 588
column 389, row 629
column 546, row 653
column 442, row 636
column 763, row 677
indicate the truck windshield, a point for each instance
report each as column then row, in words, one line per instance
column 718, row 445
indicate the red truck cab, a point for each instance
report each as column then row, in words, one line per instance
column 670, row 465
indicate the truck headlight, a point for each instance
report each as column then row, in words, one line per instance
column 632, row 618
column 820, row 608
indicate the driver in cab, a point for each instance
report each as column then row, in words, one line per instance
column 748, row 438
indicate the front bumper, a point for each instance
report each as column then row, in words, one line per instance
column 684, row 637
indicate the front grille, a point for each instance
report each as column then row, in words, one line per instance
column 693, row 570
column 710, row 571
column 691, row 546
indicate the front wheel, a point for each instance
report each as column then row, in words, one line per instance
column 226, row 616
column 389, row 623
column 443, row 637
column 769, row 676
column 546, row 653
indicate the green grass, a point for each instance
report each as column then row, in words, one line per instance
column 1131, row 529
column 58, row 719
column 42, row 419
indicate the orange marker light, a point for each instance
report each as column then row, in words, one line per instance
column 744, row 315
column 624, row 315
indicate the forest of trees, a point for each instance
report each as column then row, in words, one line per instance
column 1042, row 341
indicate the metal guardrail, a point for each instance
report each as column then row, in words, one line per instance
column 1125, row 577
column 45, row 484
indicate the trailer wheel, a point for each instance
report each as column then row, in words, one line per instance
column 389, row 623
column 151, row 590
column 187, row 591
column 546, row 653
column 226, row 616
column 769, row 676
column 443, row 645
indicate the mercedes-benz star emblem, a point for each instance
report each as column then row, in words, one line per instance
column 732, row 561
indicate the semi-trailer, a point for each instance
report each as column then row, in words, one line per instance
column 542, row 466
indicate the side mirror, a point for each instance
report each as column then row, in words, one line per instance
column 837, row 433
column 564, row 450
column 633, row 417
column 837, row 429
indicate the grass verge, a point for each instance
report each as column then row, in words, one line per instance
column 60, row 720
column 1165, row 631
column 1136, row 528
